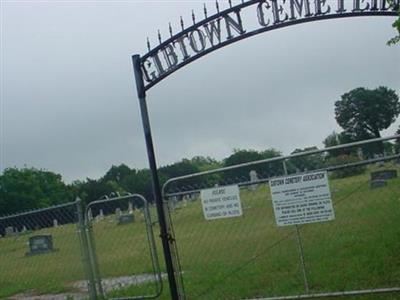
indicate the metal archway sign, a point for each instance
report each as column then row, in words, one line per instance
column 223, row 28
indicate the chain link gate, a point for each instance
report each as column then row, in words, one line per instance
column 250, row 257
column 120, row 238
column 41, row 253
column 106, row 251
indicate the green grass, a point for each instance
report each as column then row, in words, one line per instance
column 234, row 258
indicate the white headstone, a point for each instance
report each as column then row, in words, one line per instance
column 9, row 231
column 253, row 178
column 130, row 208
column 101, row 214
column 118, row 211
column 55, row 223
column 24, row 229
column 90, row 215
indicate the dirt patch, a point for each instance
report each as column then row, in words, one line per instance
column 109, row 284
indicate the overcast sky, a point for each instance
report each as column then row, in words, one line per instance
column 68, row 100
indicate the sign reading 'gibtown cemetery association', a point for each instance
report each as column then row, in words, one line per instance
column 244, row 20
column 301, row 199
column 221, row 202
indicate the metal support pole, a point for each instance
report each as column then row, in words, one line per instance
column 300, row 245
column 85, row 251
column 93, row 258
column 303, row 265
column 166, row 238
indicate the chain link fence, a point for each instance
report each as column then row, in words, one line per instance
column 105, row 251
column 41, row 253
column 242, row 253
column 121, row 237
column 108, row 250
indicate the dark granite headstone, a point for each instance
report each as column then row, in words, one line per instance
column 383, row 175
column 40, row 244
column 126, row 219
column 378, row 183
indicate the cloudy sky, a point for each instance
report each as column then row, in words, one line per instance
column 68, row 101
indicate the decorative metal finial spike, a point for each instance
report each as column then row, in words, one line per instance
column 230, row 3
column 217, row 5
column 193, row 17
column 205, row 11
column 159, row 36
column 148, row 43
column 182, row 25
column 170, row 29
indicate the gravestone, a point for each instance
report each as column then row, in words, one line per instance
column 253, row 178
column 40, row 244
column 130, row 208
column 185, row 200
column 126, row 219
column 378, row 183
column 9, row 231
column 118, row 212
column 24, row 229
column 90, row 215
column 100, row 216
column 55, row 223
column 383, row 175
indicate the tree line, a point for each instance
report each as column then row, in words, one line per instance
column 362, row 113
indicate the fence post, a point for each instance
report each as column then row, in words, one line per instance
column 85, row 250
column 300, row 245
column 167, row 239
column 93, row 256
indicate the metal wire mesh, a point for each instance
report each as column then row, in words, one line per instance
column 121, row 237
column 249, row 256
column 40, row 254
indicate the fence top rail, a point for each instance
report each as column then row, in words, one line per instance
column 116, row 199
column 39, row 210
column 280, row 158
column 328, row 169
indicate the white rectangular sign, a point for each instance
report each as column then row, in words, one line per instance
column 301, row 199
column 221, row 202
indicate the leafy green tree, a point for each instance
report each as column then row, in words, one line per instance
column 363, row 113
column 243, row 156
column 396, row 25
column 30, row 188
column 184, row 167
column 205, row 163
column 397, row 142
column 336, row 139
column 305, row 163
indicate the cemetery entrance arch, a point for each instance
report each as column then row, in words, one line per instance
column 215, row 31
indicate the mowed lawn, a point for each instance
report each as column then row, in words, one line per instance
column 243, row 257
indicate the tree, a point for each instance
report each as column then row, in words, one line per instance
column 305, row 163
column 243, row 156
column 336, row 139
column 30, row 188
column 396, row 25
column 363, row 113
column 397, row 143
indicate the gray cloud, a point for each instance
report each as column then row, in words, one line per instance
column 69, row 103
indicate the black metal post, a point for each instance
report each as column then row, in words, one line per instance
column 165, row 235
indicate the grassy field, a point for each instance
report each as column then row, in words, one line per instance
column 234, row 258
